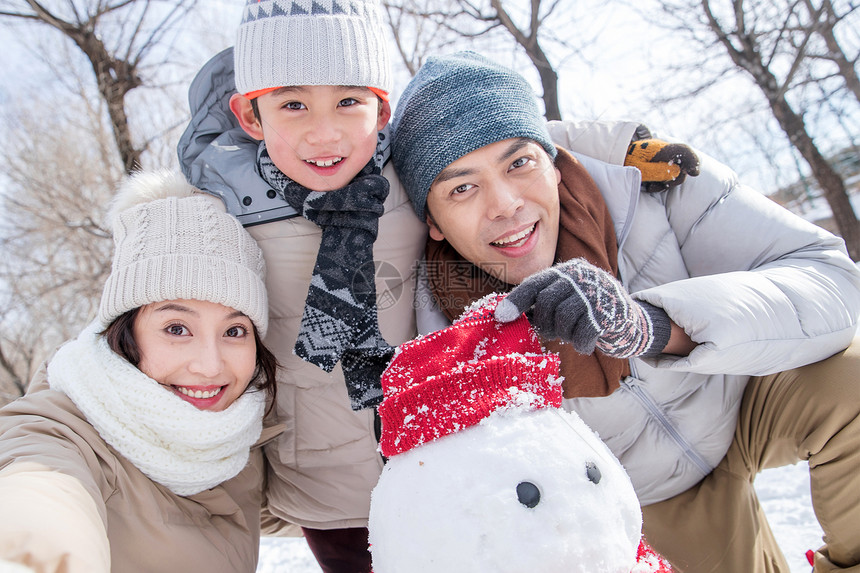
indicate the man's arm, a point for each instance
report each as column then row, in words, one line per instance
column 586, row 306
column 604, row 140
column 766, row 291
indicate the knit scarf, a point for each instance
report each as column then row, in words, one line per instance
column 585, row 230
column 172, row 442
column 339, row 322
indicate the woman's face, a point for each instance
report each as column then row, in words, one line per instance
column 203, row 352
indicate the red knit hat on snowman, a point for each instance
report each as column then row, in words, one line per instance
column 452, row 379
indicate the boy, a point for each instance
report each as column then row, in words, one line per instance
column 298, row 162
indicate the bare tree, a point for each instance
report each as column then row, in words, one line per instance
column 527, row 37
column 102, row 95
column 59, row 168
column 419, row 28
column 825, row 19
column 475, row 20
column 117, row 37
column 789, row 50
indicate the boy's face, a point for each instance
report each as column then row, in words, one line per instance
column 318, row 136
column 498, row 207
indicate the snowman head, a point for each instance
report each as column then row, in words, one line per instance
column 485, row 472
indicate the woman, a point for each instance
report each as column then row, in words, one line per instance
column 138, row 447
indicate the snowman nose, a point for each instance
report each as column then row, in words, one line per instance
column 528, row 494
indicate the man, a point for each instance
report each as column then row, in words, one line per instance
column 728, row 357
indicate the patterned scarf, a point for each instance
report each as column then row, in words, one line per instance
column 585, row 230
column 339, row 322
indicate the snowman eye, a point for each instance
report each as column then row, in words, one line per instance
column 592, row 472
column 528, row 494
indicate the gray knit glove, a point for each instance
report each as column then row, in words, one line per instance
column 587, row 307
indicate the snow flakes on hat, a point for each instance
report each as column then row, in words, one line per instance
column 453, row 378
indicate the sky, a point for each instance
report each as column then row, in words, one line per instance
column 608, row 73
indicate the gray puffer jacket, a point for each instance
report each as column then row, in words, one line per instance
column 760, row 289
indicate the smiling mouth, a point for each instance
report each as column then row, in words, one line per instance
column 200, row 394
column 324, row 163
column 515, row 240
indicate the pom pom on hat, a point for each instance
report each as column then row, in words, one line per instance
column 453, row 378
column 172, row 242
column 454, row 105
column 311, row 42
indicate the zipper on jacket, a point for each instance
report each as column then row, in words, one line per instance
column 651, row 406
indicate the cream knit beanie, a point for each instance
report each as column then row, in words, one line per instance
column 311, row 43
column 174, row 243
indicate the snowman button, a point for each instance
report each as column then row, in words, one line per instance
column 592, row 472
column 528, row 494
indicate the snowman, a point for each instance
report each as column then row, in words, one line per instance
column 485, row 472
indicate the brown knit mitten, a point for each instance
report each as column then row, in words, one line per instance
column 662, row 164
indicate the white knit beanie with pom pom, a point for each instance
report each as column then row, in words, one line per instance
column 172, row 242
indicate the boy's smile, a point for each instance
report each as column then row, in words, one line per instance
column 319, row 136
column 321, row 163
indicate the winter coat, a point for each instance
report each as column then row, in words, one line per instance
column 760, row 289
column 324, row 466
column 69, row 502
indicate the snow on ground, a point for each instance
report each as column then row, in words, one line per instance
column 784, row 494
column 286, row 555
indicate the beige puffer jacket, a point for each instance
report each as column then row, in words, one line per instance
column 325, row 464
column 71, row 503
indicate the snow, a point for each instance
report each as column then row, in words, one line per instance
column 784, row 494
column 278, row 554
column 474, row 481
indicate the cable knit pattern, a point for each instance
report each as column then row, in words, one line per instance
column 173, row 443
column 181, row 247
column 453, row 378
column 586, row 306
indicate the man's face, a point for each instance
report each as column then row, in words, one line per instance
column 498, row 207
column 319, row 136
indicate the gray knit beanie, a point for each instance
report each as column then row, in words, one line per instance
column 173, row 243
column 454, row 105
column 311, row 43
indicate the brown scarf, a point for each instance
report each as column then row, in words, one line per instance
column 585, row 230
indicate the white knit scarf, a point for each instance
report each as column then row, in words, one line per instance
column 186, row 449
